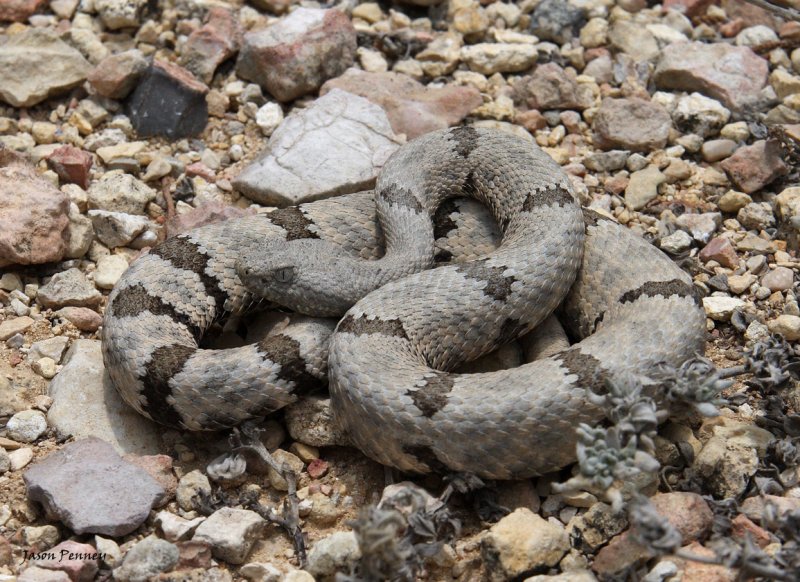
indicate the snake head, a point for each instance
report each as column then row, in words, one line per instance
column 309, row 276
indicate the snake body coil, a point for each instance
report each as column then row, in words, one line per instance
column 392, row 354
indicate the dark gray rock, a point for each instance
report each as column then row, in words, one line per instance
column 556, row 20
column 91, row 489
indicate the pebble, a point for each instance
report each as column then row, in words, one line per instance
column 36, row 574
column 211, row 44
column 633, row 39
column 115, row 76
column 268, row 117
column 117, row 14
column 174, row 528
column 231, row 533
column 11, row 327
column 606, row 161
column 643, row 187
column 45, row 367
column 726, row 466
column 337, row 552
column 20, row 458
column 26, row 426
column 353, row 136
column 299, row 53
column 120, row 192
column 756, row 215
column 733, row 201
column 631, row 124
column 109, row 270
column 262, row 572
column 5, row 462
column 82, row 318
column 91, row 489
column 557, row 21
column 756, row 36
column 753, row 167
column 720, row 250
column 192, row 488
column 738, row 284
column 721, row 308
column 53, row 347
column 35, row 64
column 310, row 421
column 112, row 556
column 168, row 101
column 778, row 279
column 491, row 58
column 786, row 325
column 70, row 287
column 717, row 149
column 284, row 458
column 117, row 229
column 147, row 559
column 78, row 561
column 676, row 243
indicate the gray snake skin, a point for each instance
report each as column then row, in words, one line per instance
column 405, row 328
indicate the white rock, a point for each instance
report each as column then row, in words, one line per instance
column 754, row 36
column 338, row 552
column 26, row 426
column 231, row 533
column 176, row 528
column 53, row 348
column 268, row 117
column 786, row 325
column 117, row 229
column 489, row 58
column 117, row 14
column 118, row 192
column 676, row 243
column 721, row 308
column 20, row 458
column 109, row 270
column 45, row 367
column 261, row 572
column 146, row 559
column 700, row 115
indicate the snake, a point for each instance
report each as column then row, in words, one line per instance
column 471, row 239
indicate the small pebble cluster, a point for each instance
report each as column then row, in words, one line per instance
column 123, row 122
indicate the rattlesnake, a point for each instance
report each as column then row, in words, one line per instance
column 393, row 352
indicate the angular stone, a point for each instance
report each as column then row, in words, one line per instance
column 700, row 226
column 86, row 404
column 11, row 327
column 721, row 250
column 778, row 279
column 350, row 134
column 117, row 229
column 92, row 490
column 70, row 287
column 556, row 20
column 71, row 164
column 79, row 561
column 212, row 44
column 299, row 53
column 634, row 39
column 490, row 58
column 733, row 201
column 231, row 533
column 36, row 64
column 118, row 192
column 412, row 108
column 721, row 308
column 34, row 221
column 733, row 75
column 116, row 76
column 550, row 87
column 147, row 559
column 169, row 101
column 310, row 421
column 786, row 325
column 18, row 10
column 338, row 552
column 755, row 166
column 699, row 115
column 117, row 14
column 631, row 124
column 643, row 187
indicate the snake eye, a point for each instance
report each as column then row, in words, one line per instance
column 283, row 275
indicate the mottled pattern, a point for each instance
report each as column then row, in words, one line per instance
column 392, row 356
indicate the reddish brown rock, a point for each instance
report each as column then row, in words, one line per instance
column 731, row 74
column 117, row 75
column 631, row 124
column 317, row 468
column 741, row 526
column 752, row 167
column 34, row 221
column 531, row 120
column 549, row 87
column 159, row 467
column 721, row 250
column 298, row 54
column 79, row 561
column 71, row 164
column 688, row 512
column 412, row 108
column 212, row 44
column 18, row 10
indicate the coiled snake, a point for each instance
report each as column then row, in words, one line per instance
column 403, row 326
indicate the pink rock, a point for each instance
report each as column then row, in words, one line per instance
column 721, row 250
column 412, row 108
column 317, row 468
column 159, row 467
column 18, row 10
column 690, row 8
column 79, row 561
column 692, row 571
column 631, row 124
column 731, row 74
column 117, row 75
column 71, row 164
column 83, row 318
column 742, row 526
column 34, row 220
column 752, row 167
column 688, row 512
column 215, row 42
column 298, row 54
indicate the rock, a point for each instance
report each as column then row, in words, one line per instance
column 231, row 533
column 522, row 542
column 213, row 43
column 730, row 74
column 550, row 87
column 631, row 124
column 756, row 215
column 268, row 117
column 310, row 421
column 35, row 574
column 634, row 39
column 26, row 426
column 85, row 403
column 18, row 10
column 351, row 134
column 571, row 576
column 176, row 528
column 70, row 287
column 688, row 512
column 146, row 559
column 699, row 115
column 79, row 561
column 754, row 507
column 299, row 53
column 168, row 101
column 778, row 279
column 91, row 489
column 676, row 243
column 755, row 166
column 192, row 489
column 442, row 55
column 733, row 201
column 721, row 250
column 338, row 552
column 109, row 270
column 643, row 187
column 756, row 36
column 11, row 327
column 36, row 64
column 50, row 348
column 288, row 461
column 700, row 226
column 117, row 229
column 412, row 108
column 556, row 20
column 725, row 465
column 119, row 192
column 738, row 284
column 34, row 222
column 721, row 308
column 159, row 467
column 117, row 14
column 786, row 325
column 71, row 164
column 490, row 58
column 81, row 317
column 606, row 161
column 116, row 76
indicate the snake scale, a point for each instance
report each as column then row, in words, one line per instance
column 404, row 327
